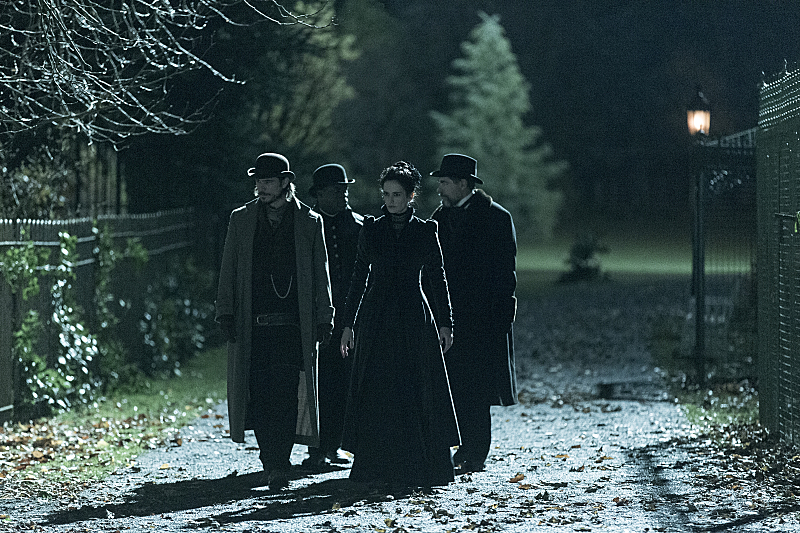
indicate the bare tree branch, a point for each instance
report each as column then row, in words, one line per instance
column 106, row 68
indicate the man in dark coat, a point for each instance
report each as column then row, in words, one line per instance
column 479, row 247
column 342, row 227
column 274, row 306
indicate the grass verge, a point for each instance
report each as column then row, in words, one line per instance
column 59, row 456
column 728, row 399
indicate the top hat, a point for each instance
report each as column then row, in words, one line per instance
column 271, row 165
column 325, row 175
column 458, row 166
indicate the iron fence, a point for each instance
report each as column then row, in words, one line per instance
column 724, row 242
column 779, row 255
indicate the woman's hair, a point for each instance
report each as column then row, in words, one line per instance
column 405, row 174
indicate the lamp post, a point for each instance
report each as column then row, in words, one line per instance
column 698, row 116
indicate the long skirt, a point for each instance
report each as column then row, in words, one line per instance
column 394, row 436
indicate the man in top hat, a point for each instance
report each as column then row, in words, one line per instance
column 274, row 306
column 342, row 227
column 479, row 248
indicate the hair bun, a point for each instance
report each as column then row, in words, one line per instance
column 406, row 173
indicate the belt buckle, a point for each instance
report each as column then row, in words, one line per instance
column 262, row 320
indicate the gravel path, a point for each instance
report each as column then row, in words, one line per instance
column 596, row 444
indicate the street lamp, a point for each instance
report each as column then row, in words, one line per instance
column 698, row 114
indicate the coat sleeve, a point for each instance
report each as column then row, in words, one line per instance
column 434, row 279
column 226, row 288
column 322, row 280
column 358, row 282
column 504, row 282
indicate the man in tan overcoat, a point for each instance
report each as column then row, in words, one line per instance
column 274, row 307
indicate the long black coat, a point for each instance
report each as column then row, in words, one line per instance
column 399, row 396
column 479, row 248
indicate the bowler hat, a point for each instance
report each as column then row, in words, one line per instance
column 325, row 175
column 271, row 165
column 458, row 166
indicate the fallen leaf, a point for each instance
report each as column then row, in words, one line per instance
column 164, row 466
column 621, row 501
column 517, row 478
column 525, row 486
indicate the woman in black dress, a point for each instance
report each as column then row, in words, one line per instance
column 400, row 421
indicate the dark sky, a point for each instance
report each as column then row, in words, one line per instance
column 611, row 80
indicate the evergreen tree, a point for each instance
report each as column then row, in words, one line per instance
column 489, row 99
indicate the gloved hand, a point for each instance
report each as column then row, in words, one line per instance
column 228, row 327
column 324, row 332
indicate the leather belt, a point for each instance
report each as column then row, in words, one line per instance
column 276, row 319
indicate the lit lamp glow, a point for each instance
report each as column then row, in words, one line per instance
column 699, row 115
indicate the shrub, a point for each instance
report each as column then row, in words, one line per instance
column 583, row 261
column 178, row 316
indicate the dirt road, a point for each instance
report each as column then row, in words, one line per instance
column 596, row 444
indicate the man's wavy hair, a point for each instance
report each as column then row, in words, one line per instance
column 289, row 190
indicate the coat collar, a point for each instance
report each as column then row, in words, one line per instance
column 252, row 206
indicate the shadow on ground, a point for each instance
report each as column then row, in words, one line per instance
column 259, row 502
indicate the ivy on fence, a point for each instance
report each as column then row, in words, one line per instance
column 68, row 378
column 115, row 366
column 64, row 361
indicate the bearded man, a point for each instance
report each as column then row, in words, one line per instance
column 479, row 248
column 274, row 307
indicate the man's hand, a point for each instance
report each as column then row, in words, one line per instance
column 228, row 327
column 324, row 334
column 347, row 342
column 445, row 338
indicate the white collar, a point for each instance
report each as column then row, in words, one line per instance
column 464, row 200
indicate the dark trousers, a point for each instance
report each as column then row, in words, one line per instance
column 475, row 425
column 274, row 378
column 471, row 402
column 333, row 384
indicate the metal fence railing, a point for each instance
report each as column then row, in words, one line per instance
column 724, row 238
column 162, row 235
column 779, row 255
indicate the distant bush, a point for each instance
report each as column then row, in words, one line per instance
column 583, row 261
